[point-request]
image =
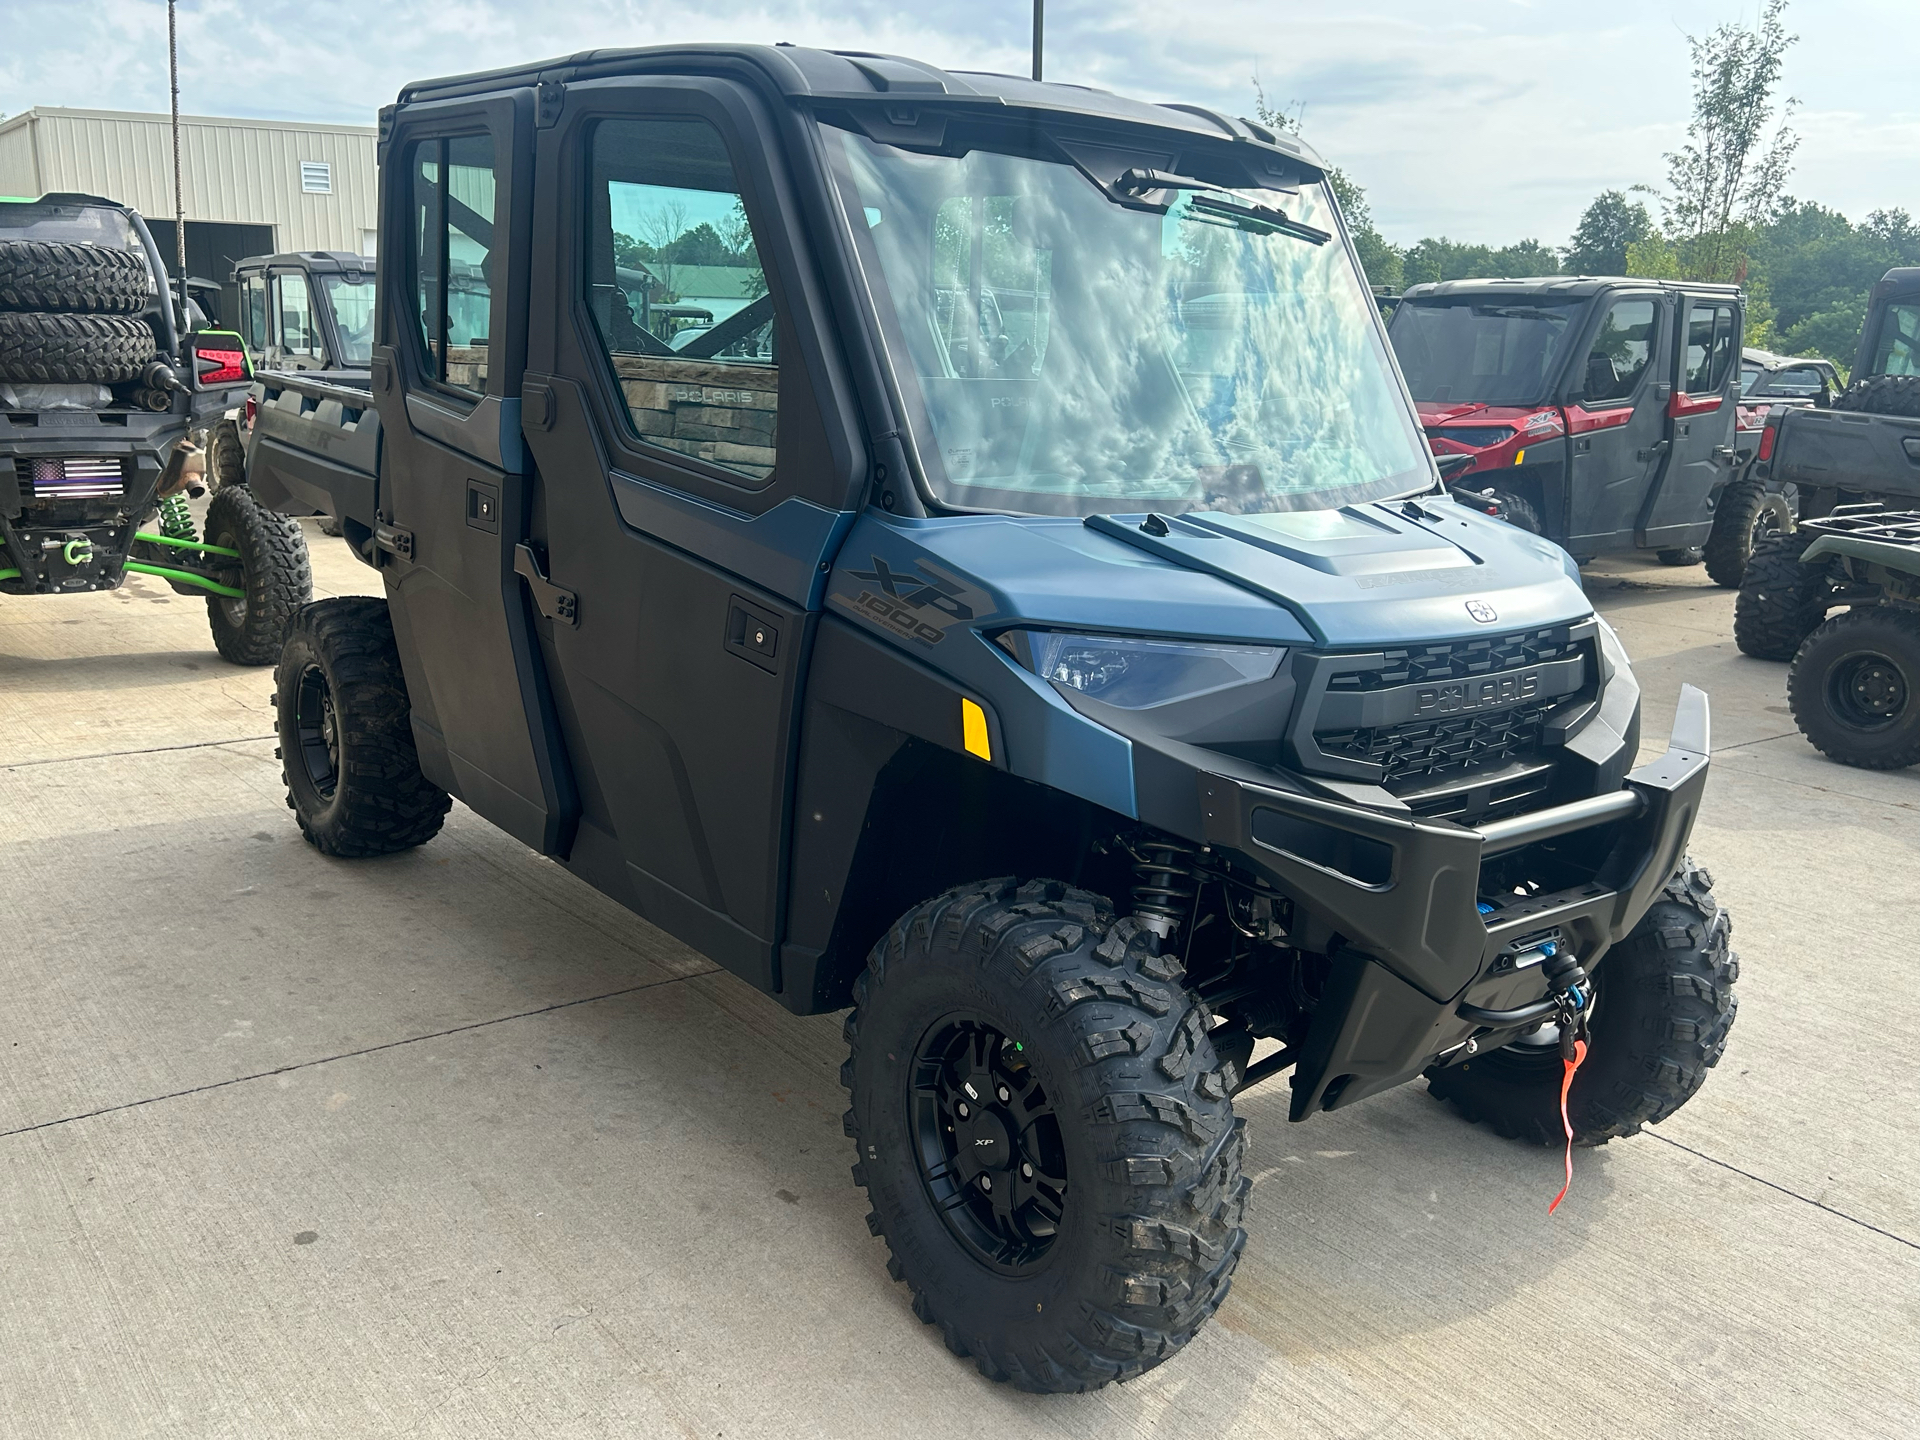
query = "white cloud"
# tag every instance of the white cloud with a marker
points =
(1483, 120)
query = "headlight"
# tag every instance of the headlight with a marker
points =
(1135, 673)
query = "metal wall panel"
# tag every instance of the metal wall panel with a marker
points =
(237, 171)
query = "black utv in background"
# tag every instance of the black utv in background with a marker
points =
(1600, 413)
(1027, 616)
(108, 403)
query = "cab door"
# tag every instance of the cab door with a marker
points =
(690, 485)
(1617, 421)
(456, 189)
(1701, 415)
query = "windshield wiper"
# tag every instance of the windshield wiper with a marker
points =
(1254, 219)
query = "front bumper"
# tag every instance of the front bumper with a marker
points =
(1420, 970)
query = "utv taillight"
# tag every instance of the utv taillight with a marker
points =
(222, 367)
(252, 410)
(1766, 442)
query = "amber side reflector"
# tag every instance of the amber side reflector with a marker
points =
(973, 730)
(1518, 456)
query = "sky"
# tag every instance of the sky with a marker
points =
(1485, 121)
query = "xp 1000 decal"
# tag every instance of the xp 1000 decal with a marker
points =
(916, 604)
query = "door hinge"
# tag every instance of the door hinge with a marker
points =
(552, 96)
(393, 540)
(1653, 452)
(537, 405)
(554, 602)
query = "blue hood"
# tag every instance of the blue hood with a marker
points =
(1382, 574)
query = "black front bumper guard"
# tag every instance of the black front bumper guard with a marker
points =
(1406, 892)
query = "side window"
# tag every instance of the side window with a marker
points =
(1709, 347)
(1621, 351)
(679, 296)
(293, 310)
(453, 214)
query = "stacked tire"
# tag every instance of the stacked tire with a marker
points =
(69, 313)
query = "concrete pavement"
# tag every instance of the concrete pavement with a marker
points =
(447, 1144)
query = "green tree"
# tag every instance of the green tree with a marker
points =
(1727, 179)
(1380, 261)
(1611, 224)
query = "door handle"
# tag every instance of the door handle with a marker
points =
(554, 602)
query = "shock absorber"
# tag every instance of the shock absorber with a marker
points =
(1164, 884)
(176, 520)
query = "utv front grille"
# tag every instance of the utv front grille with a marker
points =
(1431, 721)
(1460, 659)
(74, 477)
(1440, 749)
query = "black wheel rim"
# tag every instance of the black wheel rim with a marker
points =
(317, 730)
(988, 1143)
(233, 607)
(1867, 692)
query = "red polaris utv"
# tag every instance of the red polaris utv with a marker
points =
(1600, 413)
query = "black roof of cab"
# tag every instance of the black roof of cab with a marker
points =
(1574, 286)
(320, 262)
(828, 77)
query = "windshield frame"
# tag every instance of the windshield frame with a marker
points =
(1042, 142)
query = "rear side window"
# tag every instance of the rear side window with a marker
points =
(452, 180)
(1620, 353)
(679, 295)
(1709, 347)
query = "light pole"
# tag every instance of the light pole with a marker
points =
(179, 195)
(1039, 32)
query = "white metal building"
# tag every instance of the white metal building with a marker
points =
(252, 187)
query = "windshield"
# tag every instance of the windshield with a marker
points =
(352, 301)
(1496, 350)
(1060, 353)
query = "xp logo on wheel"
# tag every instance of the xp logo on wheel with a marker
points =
(1483, 612)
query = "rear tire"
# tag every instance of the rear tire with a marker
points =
(1122, 1240)
(1854, 688)
(66, 349)
(75, 279)
(1781, 601)
(346, 735)
(1746, 513)
(274, 572)
(1662, 1008)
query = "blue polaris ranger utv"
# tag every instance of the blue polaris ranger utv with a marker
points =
(1026, 614)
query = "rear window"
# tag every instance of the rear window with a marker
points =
(1897, 349)
(73, 224)
(1494, 350)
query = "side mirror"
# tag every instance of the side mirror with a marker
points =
(216, 358)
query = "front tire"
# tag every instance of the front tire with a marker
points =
(346, 735)
(1024, 1038)
(1663, 1004)
(1854, 688)
(275, 575)
(1746, 513)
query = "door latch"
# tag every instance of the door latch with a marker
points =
(554, 602)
